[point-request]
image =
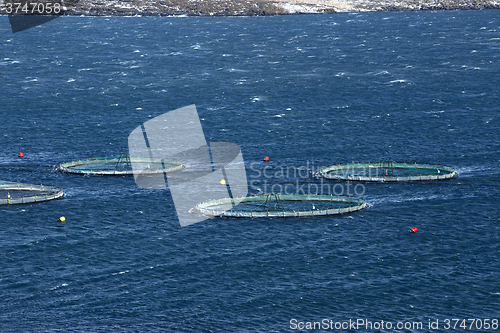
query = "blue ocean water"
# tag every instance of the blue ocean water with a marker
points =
(305, 90)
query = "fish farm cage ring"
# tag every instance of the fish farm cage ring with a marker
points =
(280, 205)
(119, 165)
(18, 193)
(387, 171)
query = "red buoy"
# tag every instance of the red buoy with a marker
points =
(413, 230)
(20, 154)
(266, 159)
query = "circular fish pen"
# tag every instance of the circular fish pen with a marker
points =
(387, 171)
(119, 165)
(18, 193)
(281, 205)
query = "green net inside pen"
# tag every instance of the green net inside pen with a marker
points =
(387, 171)
(12, 193)
(119, 165)
(280, 205)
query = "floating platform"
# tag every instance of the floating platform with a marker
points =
(387, 171)
(18, 193)
(119, 165)
(280, 205)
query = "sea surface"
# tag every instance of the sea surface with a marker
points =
(305, 90)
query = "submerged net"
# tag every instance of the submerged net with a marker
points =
(281, 205)
(387, 171)
(119, 165)
(18, 193)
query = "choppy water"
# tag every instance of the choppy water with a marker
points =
(304, 90)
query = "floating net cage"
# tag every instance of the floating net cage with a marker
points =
(387, 171)
(280, 205)
(119, 165)
(18, 193)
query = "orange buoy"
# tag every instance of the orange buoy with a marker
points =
(266, 159)
(413, 230)
(20, 155)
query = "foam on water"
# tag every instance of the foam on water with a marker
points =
(300, 89)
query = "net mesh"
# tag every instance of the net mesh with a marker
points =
(281, 205)
(386, 171)
(119, 165)
(18, 193)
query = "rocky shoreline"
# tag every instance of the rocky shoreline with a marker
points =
(258, 7)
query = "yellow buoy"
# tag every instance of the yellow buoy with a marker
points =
(62, 219)
(223, 182)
